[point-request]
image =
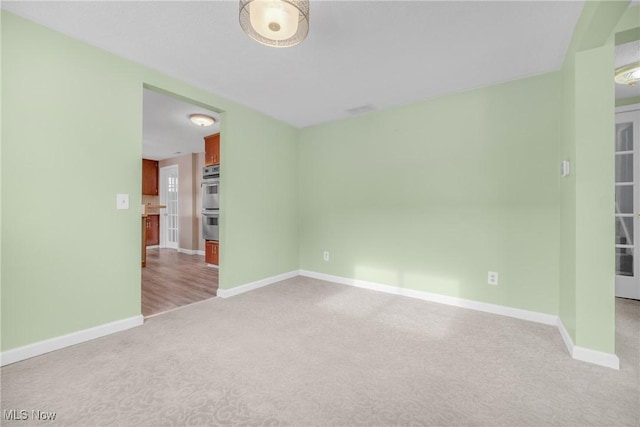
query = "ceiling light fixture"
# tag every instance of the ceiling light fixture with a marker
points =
(277, 23)
(628, 74)
(202, 120)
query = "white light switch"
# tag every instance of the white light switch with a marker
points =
(122, 201)
(565, 168)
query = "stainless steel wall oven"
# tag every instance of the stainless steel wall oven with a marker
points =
(210, 202)
(210, 229)
(210, 194)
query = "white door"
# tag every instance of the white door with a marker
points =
(169, 216)
(627, 172)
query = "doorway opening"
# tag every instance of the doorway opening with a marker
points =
(169, 197)
(175, 272)
(627, 178)
(627, 201)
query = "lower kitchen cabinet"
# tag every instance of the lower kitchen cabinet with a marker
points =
(211, 252)
(153, 230)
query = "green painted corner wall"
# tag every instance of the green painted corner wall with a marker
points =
(259, 193)
(594, 221)
(587, 304)
(434, 195)
(70, 260)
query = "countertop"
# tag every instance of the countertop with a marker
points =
(152, 209)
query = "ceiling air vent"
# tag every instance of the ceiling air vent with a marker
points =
(361, 109)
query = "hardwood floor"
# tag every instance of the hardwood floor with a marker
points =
(172, 279)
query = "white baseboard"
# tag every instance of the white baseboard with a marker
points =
(568, 342)
(226, 293)
(213, 266)
(46, 346)
(579, 353)
(190, 251)
(584, 354)
(547, 319)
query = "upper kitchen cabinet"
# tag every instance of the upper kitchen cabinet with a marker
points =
(149, 177)
(212, 150)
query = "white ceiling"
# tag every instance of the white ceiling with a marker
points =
(358, 53)
(166, 129)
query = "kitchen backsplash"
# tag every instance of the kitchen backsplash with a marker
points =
(151, 200)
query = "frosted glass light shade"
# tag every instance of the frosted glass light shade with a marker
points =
(279, 23)
(201, 120)
(629, 74)
(275, 20)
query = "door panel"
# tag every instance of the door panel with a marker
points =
(169, 232)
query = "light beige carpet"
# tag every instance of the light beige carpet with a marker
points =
(307, 352)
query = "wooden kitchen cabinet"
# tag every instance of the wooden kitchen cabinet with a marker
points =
(212, 150)
(211, 252)
(153, 230)
(149, 177)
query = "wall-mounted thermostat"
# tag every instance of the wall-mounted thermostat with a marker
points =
(565, 168)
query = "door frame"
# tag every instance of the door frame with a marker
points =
(163, 201)
(629, 286)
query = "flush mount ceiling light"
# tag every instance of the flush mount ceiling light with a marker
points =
(278, 23)
(202, 120)
(629, 74)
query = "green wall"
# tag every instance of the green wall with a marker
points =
(594, 169)
(71, 140)
(259, 184)
(567, 290)
(434, 195)
(587, 304)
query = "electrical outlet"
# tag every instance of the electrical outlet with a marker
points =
(325, 256)
(492, 279)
